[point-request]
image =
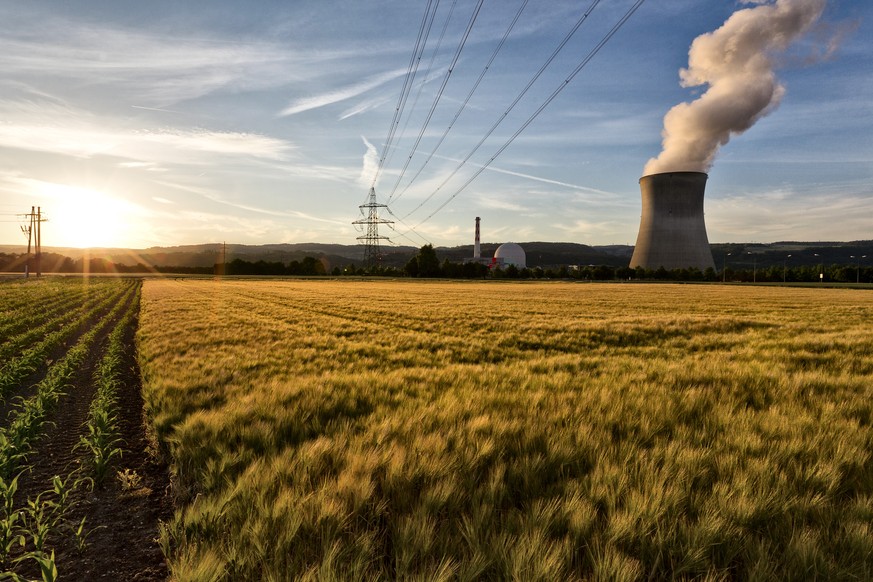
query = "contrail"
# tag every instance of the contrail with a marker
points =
(156, 109)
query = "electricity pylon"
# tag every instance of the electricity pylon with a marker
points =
(370, 240)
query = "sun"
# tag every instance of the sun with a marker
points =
(85, 218)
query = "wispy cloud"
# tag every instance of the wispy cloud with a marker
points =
(212, 195)
(498, 170)
(154, 70)
(156, 109)
(341, 94)
(52, 128)
(500, 203)
(781, 213)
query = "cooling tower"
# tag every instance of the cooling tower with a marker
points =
(672, 233)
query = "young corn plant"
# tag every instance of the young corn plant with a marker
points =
(39, 520)
(81, 535)
(101, 439)
(42, 518)
(10, 528)
(47, 567)
(101, 445)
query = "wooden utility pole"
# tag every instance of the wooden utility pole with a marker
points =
(28, 232)
(38, 240)
(34, 232)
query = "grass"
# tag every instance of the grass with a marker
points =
(443, 430)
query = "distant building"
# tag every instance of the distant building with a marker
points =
(510, 254)
(505, 255)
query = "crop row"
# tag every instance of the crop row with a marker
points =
(30, 298)
(21, 295)
(18, 368)
(29, 526)
(28, 416)
(40, 318)
(38, 313)
(102, 440)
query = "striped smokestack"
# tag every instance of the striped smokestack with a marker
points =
(476, 252)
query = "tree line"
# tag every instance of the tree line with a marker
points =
(426, 264)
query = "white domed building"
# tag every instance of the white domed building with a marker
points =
(510, 254)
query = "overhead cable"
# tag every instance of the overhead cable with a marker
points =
(430, 67)
(465, 102)
(439, 93)
(412, 69)
(409, 229)
(512, 105)
(539, 110)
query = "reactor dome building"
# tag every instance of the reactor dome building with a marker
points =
(505, 255)
(510, 254)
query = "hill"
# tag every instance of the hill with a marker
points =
(539, 254)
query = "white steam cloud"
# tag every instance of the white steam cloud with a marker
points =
(369, 164)
(736, 63)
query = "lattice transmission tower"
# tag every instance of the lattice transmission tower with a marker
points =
(370, 240)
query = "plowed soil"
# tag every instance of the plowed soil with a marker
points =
(122, 516)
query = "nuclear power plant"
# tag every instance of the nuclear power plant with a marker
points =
(506, 254)
(672, 232)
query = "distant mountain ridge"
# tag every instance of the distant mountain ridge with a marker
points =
(539, 254)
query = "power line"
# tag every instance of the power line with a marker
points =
(439, 94)
(412, 69)
(410, 229)
(512, 105)
(430, 67)
(464, 103)
(539, 110)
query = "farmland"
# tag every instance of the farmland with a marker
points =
(71, 410)
(543, 431)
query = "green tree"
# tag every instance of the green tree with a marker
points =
(428, 263)
(411, 267)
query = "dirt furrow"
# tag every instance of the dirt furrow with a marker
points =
(122, 516)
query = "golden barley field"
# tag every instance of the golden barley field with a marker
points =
(371, 430)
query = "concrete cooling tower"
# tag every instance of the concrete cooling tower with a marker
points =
(672, 233)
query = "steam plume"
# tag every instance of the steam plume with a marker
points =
(370, 163)
(735, 61)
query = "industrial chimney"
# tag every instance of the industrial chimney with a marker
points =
(476, 252)
(672, 232)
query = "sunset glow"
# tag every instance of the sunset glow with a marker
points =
(83, 218)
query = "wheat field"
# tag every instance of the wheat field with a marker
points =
(369, 430)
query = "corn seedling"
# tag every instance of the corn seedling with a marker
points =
(81, 535)
(47, 567)
(10, 534)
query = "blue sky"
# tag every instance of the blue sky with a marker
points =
(163, 123)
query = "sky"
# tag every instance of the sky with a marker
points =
(170, 123)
